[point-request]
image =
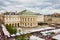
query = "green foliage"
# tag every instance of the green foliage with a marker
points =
(11, 29)
(28, 35)
(23, 37)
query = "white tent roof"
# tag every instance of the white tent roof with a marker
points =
(13, 35)
(34, 30)
(57, 37)
(56, 31)
(42, 29)
(35, 38)
(17, 33)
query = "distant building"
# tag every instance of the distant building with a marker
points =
(53, 18)
(48, 19)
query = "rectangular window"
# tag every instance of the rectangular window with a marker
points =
(49, 19)
(25, 24)
(31, 24)
(28, 24)
(25, 19)
(28, 19)
(31, 19)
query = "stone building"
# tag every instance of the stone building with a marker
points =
(56, 18)
(1, 19)
(23, 19)
(12, 20)
(53, 18)
(48, 19)
(28, 21)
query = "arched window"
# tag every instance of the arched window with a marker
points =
(12, 24)
(6, 24)
(18, 24)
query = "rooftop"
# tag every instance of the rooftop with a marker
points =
(27, 12)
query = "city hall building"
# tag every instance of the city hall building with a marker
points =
(22, 19)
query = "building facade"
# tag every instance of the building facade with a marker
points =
(47, 19)
(28, 21)
(40, 18)
(13, 20)
(23, 19)
(53, 18)
(1, 19)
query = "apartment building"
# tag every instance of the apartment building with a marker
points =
(53, 18)
(48, 19)
(56, 18)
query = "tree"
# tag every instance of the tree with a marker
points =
(28, 35)
(21, 37)
(11, 29)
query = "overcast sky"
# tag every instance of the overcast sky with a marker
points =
(40, 6)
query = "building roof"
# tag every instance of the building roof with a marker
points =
(55, 15)
(27, 12)
(24, 12)
(9, 13)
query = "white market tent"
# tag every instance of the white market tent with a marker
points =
(13, 35)
(34, 30)
(56, 31)
(57, 37)
(35, 38)
(18, 34)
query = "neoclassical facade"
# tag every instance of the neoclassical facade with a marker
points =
(22, 19)
(12, 20)
(28, 21)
